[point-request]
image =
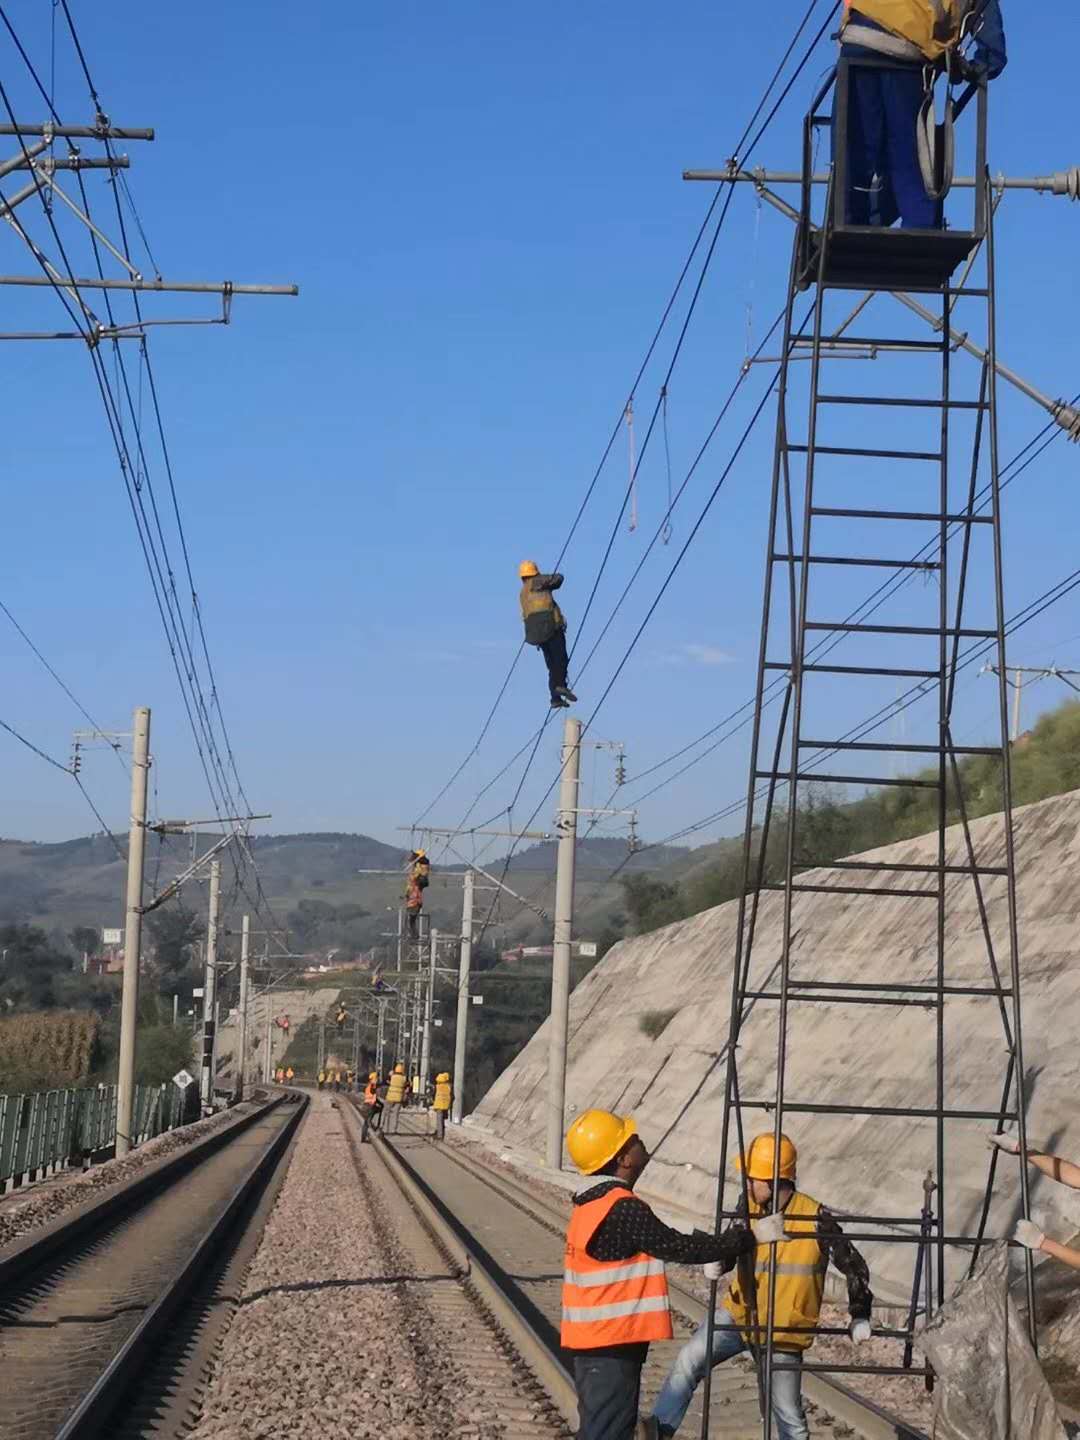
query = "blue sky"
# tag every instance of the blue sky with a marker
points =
(483, 207)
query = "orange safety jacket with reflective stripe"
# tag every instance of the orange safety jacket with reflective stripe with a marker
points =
(369, 1093)
(617, 1302)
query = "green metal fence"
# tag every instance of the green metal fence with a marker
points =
(54, 1128)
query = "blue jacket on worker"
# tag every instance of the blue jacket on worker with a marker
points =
(885, 180)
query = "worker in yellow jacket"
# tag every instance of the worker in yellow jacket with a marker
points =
(545, 627)
(441, 1103)
(905, 40)
(806, 1238)
(397, 1090)
(322, 1078)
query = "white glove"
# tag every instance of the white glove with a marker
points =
(712, 1270)
(860, 1332)
(1009, 1143)
(1028, 1234)
(769, 1230)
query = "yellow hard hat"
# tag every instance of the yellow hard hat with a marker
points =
(596, 1137)
(761, 1155)
(527, 568)
(444, 1076)
(373, 1075)
(399, 1069)
(421, 854)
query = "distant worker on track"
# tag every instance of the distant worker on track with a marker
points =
(373, 1106)
(322, 1078)
(545, 627)
(885, 174)
(615, 1293)
(1027, 1233)
(807, 1238)
(441, 1103)
(396, 1093)
(290, 1074)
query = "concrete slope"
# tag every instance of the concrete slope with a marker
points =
(839, 1054)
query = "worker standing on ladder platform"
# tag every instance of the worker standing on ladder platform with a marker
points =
(808, 1239)
(887, 177)
(615, 1294)
(545, 627)
(419, 878)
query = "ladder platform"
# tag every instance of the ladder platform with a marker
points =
(871, 258)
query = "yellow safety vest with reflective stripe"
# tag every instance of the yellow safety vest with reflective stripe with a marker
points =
(800, 1281)
(442, 1095)
(395, 1089)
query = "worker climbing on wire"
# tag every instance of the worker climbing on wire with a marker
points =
(615, 1293)
(441, 1103)
(545, 627)
(1065, 1172)
(418, 877)
(807, 1238)
(895, 157)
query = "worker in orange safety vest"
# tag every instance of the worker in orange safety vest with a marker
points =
(615, 1292)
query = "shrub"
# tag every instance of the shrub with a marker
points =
(654, 1022)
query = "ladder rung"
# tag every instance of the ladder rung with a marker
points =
(865, 670)
(852, 890)
(919, 1003)
(841, 514)
(857, 560)
(903, 403)
(898, 867)
(853, 450)
(896, 749)
(900, 630)
(894, 987)
(900, 781)
(911, 1112)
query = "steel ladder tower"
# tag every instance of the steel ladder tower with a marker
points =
(896, 484)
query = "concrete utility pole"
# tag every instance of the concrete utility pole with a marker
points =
(380, 1038)
(429, 1006)
(210, 989)
(564, 924)
(1040, 672)
(245, 941)
(175, 1008)
(464, 968)
(268, 1058)
(129, 1004)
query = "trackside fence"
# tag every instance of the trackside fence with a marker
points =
(53, 1129)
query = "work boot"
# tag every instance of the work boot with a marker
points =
(565, 692)
(558, 703)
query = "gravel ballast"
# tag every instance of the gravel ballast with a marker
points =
(332, 1335)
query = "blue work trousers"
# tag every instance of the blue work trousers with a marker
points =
(689, 1370)
(608, 1386)
(884, 180)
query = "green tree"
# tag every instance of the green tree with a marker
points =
(174, 932)
(85, 939)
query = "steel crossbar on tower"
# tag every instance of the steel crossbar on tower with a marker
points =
(839, 477)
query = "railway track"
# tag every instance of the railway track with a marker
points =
(517, 1236)
(104, 1311)
(525, 1391)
